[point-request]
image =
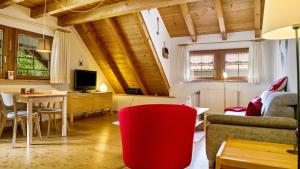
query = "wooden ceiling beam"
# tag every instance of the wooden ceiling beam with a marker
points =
(103, 59)
(124, 46)
(7, 3)
(55, 8)
(220, 14)
(257, 17)
(151, 48)
(188, 21)
(117, 9)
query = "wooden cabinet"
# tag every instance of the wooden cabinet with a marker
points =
(88, 102)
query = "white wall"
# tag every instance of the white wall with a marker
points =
(181, 90)
(19, 17)
(121, 101)
(289, 68)
(159, 40)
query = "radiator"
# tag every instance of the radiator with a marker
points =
(214, 99)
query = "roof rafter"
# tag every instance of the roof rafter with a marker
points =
(105, 62)
(188, 21)
(54, 8)
(116, 9)
(7, 3)
(150, 46)
(220, 14)
(257, 17)
(123, 45)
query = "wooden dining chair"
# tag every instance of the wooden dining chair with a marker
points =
(51, 111)
(9, 100)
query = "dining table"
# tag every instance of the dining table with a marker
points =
(30, 99)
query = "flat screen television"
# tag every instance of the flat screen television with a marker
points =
(85, 80)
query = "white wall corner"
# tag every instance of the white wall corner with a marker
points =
(160, 38)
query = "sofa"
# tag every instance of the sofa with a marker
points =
(277, 124)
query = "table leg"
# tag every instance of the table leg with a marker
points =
(29, 122)
(71, 119)
(205, 121)
(64, 118)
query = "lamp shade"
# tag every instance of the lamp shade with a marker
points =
(279, 18)
(43, 45)
(103, 88)
(225, 76)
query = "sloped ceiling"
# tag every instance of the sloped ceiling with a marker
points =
(118, 39)
(138, 66)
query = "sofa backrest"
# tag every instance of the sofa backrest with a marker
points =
(279, 104)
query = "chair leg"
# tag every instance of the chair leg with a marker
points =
(2, 125)
(34, 128)
(49, 124)
(41, 120)
(68, 127)
(54, 118)
(23, 127)
(38, 127)
(14, 133)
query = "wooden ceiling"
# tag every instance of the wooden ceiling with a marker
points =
(124, 53)
(116, 35)
(213, 17)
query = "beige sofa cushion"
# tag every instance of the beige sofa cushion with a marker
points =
(265, 121)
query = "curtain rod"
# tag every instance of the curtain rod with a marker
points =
(203, 43)
(55, 28)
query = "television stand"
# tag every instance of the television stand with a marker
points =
(88, 102)
(84, 91)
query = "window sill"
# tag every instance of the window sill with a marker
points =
(24, 81)
(211, 80)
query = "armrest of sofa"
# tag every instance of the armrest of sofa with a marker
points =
(254, 121)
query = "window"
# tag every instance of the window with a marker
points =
(18, 53)
(202, 65)
(211, 64)
(30, 63)
(236, 64)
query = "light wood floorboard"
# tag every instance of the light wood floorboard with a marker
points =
(93, 143)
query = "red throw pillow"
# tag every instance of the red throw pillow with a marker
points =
(235, 109)
(280, 84)
(254, 107)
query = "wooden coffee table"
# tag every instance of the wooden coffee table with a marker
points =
(254, 155)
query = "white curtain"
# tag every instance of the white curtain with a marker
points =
(260, 63)
(60, 55)
(255, 55)
(184, 71)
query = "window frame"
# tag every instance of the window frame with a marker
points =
(204, 52)
(219, 64)
(3, 52)
(16, 47)
(236, 50)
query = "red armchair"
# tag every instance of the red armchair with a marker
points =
(157, 136)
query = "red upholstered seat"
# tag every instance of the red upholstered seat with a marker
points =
(157, 136)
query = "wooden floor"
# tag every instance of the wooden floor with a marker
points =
(93, 143)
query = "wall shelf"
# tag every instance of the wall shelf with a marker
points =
(24, 81)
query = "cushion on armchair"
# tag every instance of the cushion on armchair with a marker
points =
(280, 104)
(254, 107)
(280, 84)
(254, 121)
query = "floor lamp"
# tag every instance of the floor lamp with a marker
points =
(225, 76)
(282, 21)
